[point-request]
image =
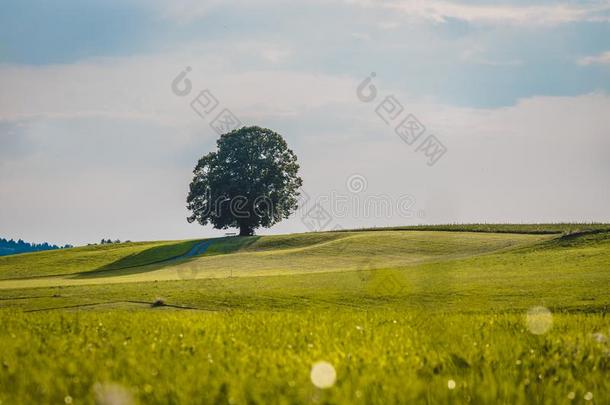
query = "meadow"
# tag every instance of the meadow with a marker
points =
(430, 316)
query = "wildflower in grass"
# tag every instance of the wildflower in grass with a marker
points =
(323, 375)
(539, 320)
(451, 384)
(112, 394)
(571, 395)
(588, 396)
(599, 337)
(68, 399)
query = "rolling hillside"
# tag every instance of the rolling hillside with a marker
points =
(463, 270)
(403, 316)
(250, 256)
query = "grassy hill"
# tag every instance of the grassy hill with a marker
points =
(549, 228)
(89, 258)
(249, 256)
(402, 315)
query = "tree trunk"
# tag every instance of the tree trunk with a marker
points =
(245, 230)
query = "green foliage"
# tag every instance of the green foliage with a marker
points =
(251, 181)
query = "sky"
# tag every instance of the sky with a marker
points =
(508, 104)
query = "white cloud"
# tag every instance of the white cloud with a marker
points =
(549, 14)
(601, 59)
(477, 55)
(139, 87)
(388, 25)
(186, 11)
(361, 36)
(276, 55)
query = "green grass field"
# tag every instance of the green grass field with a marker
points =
(453, 314)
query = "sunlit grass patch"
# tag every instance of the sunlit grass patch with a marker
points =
(382, 356)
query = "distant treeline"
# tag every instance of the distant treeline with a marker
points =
(109, 241)
(11, 247)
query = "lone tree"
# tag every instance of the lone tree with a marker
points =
(250, 181)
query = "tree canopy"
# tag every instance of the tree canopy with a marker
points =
(251, 181)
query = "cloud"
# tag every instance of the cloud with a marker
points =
(186, 11)
(103, 148)
(601, 59)
(138, 87)
(547, 14)
(276, 55)
(361, 36)
(477, 55)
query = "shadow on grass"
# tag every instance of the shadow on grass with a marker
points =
(230, 244)
(578, 239)
(146, 260)
(160, 256)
